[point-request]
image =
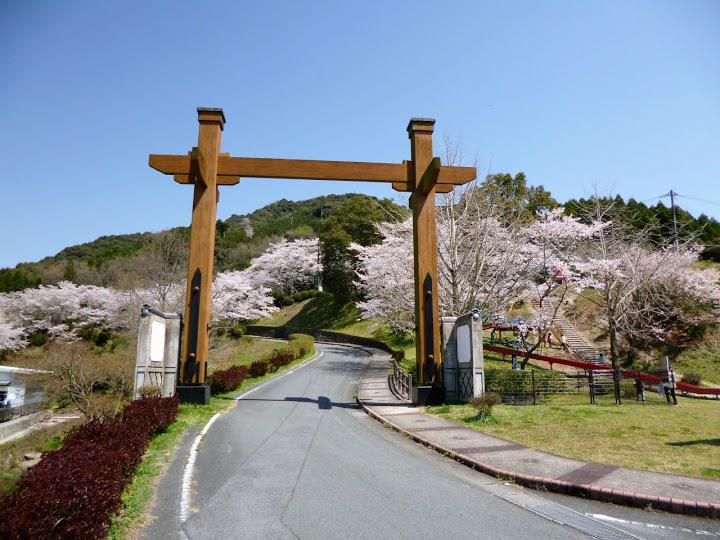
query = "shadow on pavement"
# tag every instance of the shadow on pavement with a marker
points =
(322, 402)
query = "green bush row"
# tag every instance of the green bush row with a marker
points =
(283, 300)
(520, 382)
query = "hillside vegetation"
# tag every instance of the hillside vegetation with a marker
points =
(110, 260)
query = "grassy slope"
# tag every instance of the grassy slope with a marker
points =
(655, 436)
(326, 314)
(225, 352)
(703, 359)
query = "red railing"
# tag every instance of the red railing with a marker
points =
(589, 366)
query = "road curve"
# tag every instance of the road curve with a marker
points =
(298, 459)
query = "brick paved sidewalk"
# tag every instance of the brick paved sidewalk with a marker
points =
(533, 468)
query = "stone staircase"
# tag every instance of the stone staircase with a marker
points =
(578, 345)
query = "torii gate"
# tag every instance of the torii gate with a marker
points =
(207, 168)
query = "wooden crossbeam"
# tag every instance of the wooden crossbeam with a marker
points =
(221, 180)
(230, 168)
(408, 187)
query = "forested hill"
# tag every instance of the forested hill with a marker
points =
(112, 260)
(706, 230)
(239, 238)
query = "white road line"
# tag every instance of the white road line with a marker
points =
(700, 532)
(186, 492)
(288, 372)
(186, 489)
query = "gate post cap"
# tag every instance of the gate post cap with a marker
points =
(211, 115)
(420, 125)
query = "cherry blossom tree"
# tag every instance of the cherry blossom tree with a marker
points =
(385, 278)
(480, 262)
(237, 298)
(11, 338)
(162, 265)
(287, 266)
(650, 296)
(554, 269)
(61, 311)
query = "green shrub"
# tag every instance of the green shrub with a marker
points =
(38, 339)
(301, 344)
(520, 382)
(237, 331)
(483, 405)
(692, 377)
(284, 300)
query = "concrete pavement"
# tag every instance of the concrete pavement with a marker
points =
(299, 459)
(533, 468)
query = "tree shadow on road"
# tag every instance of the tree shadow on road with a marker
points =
(323, 402)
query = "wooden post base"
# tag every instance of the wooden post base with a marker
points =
(428, 395)
(199, 394)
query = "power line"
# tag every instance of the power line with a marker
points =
(697, 199)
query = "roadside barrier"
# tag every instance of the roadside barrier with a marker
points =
(590, 366)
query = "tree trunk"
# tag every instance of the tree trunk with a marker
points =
(614, 353)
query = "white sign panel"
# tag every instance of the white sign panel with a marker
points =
(157, 341)
(463, 344)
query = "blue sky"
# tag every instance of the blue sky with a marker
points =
(624, 96)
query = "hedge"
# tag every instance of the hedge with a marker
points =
(74, 491)
(227, 380)
(520, 382)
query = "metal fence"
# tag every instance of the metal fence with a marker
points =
(10, 413)
(400, 382)
(533, 387)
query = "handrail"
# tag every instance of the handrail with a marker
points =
(400, 381)
(589, 366)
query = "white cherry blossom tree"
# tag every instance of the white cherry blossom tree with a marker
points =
(61, 310)
(236, 298)
(385, 277)
(287, 266)
(11, 338)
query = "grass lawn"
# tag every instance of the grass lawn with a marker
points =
(703, 359)
(138, 495)
(322, 312)
(655, 436)
(225, 351)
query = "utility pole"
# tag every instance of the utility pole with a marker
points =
(672, 204)
(319, 260)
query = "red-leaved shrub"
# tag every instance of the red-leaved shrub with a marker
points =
(226, 380)
(258, 368)
(74, 491)
(280, 359)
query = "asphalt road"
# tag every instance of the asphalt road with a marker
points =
(297, 459)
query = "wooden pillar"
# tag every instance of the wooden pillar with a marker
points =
(427, 314)
(202, 249)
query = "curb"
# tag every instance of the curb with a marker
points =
(588, 491)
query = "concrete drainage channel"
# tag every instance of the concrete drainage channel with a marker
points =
(557, 512)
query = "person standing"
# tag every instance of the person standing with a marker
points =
(563, 343)
(549, 340)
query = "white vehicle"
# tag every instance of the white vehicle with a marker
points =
(12, 394)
